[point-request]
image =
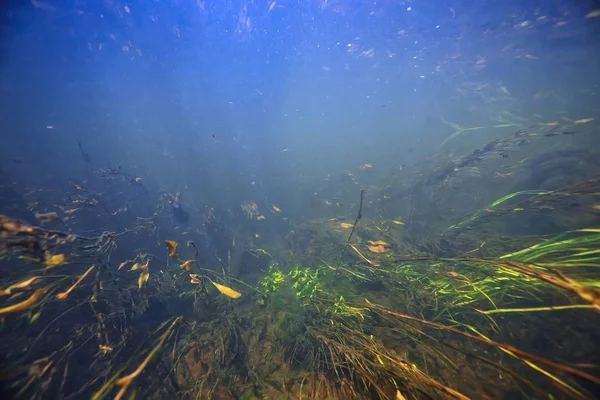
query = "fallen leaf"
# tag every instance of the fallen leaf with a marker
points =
(143, 278)
(124, 263)
(227, 291)
(379, 248)
(55, 260)
(187, 265)
(379, 242)
(346, 225)
(172, 246)
(47, 217)
(105, 349)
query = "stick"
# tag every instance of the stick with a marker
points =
(358, 217)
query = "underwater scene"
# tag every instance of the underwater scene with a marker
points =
(299, 199)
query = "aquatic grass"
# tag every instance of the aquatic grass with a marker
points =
(419, 332)
(564, 248)
(540, 201)
(528, 358)
(492, 206)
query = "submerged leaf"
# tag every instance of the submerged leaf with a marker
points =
(379, 242)
(380, 248)
(187, 265)
(55, 260)
(34, 317)
(227, 291)
(143, 278)
(346, 225)
(124, 263)
(172, 246)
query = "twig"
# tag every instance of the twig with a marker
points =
(358, 217)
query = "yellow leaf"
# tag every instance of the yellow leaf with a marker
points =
(398, 222)
(35, 317)
(105, 349)
(135, 267)
(584, 121)
(379, 248)
(143, 278)
(346, 225)
(276, 209)
(260, 217)
(379, 242)
(227, 291)
(55, 260)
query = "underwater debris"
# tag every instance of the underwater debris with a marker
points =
(227, 291)
(187, 265)
(172, 247)
(47, 217)
(55, 260)
(195, 279)
(378, 246)
(143, 278)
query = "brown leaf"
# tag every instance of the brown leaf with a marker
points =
(379, 248)
(187, 265)
(172, 246)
